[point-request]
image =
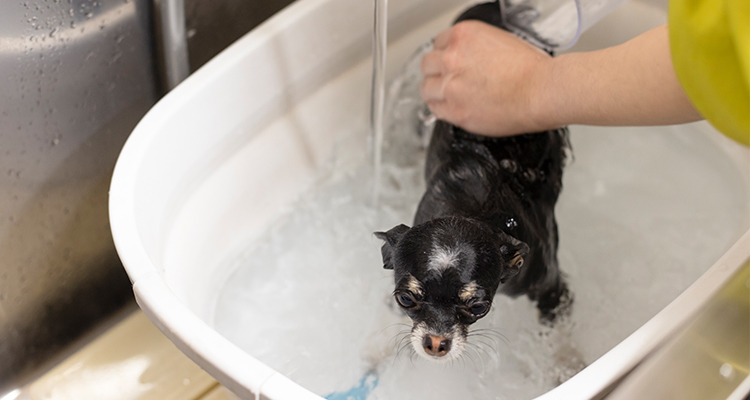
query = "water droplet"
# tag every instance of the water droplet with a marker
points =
(89, 15)
(191, 33)
(54, 31)
(509, 165)
(511, 223)
(55, 141)
(727, 371)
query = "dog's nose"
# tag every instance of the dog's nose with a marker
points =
(436, 346)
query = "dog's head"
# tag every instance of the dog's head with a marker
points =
(447, 271)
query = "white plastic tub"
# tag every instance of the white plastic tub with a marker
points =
(218, 159)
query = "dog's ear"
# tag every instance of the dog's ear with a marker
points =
(391, 238)
(513, 252)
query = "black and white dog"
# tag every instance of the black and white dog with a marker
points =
(485, 224)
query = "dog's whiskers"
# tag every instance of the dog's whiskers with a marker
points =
(479, 355)
(403, 333)
(478, 338)
(481, 342)
(475, 347)
(488, 333)
(402, 344)
(468, 355)
(463, 361)
(411, 358)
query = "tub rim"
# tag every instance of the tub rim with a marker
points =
(248, 377)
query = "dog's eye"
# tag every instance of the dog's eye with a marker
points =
(479, 309)
(405, 300)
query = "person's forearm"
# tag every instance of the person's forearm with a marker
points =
(630, 84)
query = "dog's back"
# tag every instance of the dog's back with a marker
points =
(512, 185)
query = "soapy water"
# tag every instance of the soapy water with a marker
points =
(643, 213)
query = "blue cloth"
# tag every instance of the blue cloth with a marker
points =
(360, 392)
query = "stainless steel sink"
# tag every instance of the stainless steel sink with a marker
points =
(76, 77)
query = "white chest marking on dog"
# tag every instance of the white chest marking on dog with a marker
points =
(443, 258)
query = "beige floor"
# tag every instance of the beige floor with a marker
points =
(132, 360)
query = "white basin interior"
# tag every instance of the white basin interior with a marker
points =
(229, 154)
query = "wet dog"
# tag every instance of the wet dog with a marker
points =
(485, 224)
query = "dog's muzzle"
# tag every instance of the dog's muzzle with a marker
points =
(436, 346)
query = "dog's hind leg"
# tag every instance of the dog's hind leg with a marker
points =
(555, 302)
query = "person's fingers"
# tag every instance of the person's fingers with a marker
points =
(432, 88)
(442, 39)
(432, 63)
(438, 109)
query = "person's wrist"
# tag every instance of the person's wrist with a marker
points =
(540, 96)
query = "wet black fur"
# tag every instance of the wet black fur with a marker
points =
(494, 198)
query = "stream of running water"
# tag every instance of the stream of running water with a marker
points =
(379, 47)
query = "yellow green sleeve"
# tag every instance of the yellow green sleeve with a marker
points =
(710, 44)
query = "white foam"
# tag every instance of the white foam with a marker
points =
(643, 213)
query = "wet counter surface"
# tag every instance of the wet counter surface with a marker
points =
(131, 360)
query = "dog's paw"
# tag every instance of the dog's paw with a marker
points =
(555, 306)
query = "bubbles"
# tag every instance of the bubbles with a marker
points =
(643, 213)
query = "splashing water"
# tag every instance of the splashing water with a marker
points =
(643, 213)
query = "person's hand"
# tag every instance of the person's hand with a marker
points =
(481, 78)
(490, 82)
